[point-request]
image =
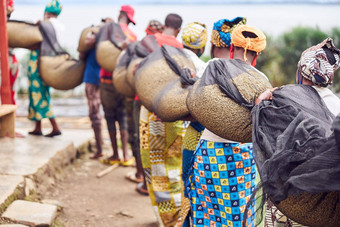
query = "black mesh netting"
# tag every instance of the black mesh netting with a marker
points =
(112, 32)
(222, 72)
(183, 73)
(49, 46)
(295, 147)
(130, 52)
(146, 46)
(168, 53)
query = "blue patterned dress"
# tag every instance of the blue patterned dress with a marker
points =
(221, 184)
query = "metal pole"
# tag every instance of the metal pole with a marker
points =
(5, 85)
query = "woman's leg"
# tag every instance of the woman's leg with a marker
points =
(55, 129)
(37, 129)
(113, 138)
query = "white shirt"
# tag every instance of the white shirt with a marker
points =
(198, 63)
(331, 100)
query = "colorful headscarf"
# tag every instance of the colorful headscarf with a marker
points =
(220, 36)
(154, 27)
(195, 35)
(257, 44)
(319, 63)
(53, 7)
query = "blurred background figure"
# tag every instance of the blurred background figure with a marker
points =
(113, 102)
(39, 92)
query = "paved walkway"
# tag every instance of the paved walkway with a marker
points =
(31, 157)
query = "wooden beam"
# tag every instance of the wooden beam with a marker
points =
(5, 85)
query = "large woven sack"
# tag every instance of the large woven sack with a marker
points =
(23, 35)
(159, 88)
(61, 72)
(108, 46)
(82, 47)
(107, 55)
(317, 210)
(131, 68)
(217, 110)
(119, 78)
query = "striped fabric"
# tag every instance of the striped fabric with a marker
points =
(161, 154)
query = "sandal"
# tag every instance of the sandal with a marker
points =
(129, 162)
(53, 134)
(141, 190)
(109, 161)
(34, 133)
(96, 156)
(131, 176)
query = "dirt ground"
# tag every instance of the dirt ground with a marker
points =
(108, 201)
(90, 201)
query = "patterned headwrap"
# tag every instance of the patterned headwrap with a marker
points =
(256, 44)
(220, 36)
(53, 7)
(319, 63)
(154, 27)
(195, 35)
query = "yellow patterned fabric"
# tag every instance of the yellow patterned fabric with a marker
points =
(195, 35)
(161, 144)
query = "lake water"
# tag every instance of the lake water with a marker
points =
(273, 19)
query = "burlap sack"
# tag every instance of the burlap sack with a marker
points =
(23, 35)
(119, 78)
(82, 47)
(56, 66)
(132, 66)
(107, 55)
(61, 72)
(108, 43)
(317, 210)
(159, 88)
(216, 110)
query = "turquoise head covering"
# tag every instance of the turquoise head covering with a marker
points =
(221, 34)
(53, 7)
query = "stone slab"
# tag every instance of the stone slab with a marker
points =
(24, 156)
(31, 213)
(7, 186)
(13, 225)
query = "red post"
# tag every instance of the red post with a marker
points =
(5, 85)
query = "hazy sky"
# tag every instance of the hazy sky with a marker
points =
(172, 1)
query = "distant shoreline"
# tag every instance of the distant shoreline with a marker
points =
(197, 3)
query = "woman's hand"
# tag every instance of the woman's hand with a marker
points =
(90, 39)
(267, 95)
(125, 44)
(192, 72)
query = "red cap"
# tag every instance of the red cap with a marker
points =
(129, 12)
(10, 3)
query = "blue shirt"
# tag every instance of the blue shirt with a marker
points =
(91, 73)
